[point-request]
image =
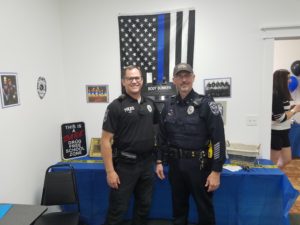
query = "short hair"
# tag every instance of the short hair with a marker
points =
(131, 67)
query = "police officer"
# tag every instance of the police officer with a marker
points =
(129, 121)
(189, 123)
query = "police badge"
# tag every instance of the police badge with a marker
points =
(190, 110)
(149, 108)
(41, 87)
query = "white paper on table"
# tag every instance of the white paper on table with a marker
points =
(232, 168)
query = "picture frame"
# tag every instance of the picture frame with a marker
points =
(222, 106)
(218, 87)
(95, 147)
(97, 93)
(9, 89)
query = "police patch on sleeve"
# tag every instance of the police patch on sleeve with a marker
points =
(214, 108)
(105, 115)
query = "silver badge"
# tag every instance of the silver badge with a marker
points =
(214, 108)
(190, 110)
(149, 108)
(41, 87)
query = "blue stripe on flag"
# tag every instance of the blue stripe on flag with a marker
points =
(160, 48)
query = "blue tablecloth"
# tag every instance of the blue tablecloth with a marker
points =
(295, 139)
(261, 196)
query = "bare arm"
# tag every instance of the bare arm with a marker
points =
(106, 151)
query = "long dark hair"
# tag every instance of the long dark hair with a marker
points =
(280, 84)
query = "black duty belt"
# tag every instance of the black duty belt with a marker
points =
(130, 156)
(179, 153)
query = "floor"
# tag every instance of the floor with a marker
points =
(292, 170)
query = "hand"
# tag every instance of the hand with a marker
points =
(160, 171)
(113, 179)
(213, 181)
(297, 108)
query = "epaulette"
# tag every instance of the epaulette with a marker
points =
(121, 97)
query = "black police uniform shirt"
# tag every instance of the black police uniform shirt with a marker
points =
(191, 124)
(132, 123)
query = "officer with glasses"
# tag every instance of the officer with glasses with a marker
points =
(189, 124)
(129, 124)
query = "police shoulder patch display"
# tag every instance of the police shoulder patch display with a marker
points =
(41, 87)
(214, 108)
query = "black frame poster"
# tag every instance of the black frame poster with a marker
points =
(73, 140)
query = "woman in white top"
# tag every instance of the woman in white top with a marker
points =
(282, 112)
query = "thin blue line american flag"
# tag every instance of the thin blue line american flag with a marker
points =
(157, 42)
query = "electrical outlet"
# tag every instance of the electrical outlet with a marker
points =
(251, 120)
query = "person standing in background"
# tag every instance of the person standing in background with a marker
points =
(282, 112)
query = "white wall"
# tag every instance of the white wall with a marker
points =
(30, 44)
(228, 43)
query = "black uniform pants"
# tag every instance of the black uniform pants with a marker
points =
(187, 179)
(136, 179)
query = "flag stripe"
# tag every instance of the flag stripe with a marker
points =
(172, 43)
(184, 38)
(160, 48)
(178, 37)
(191, 36)
(167, 47)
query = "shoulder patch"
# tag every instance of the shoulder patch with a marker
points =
(214, 108)
(105, 115)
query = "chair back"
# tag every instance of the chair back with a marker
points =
(60, 186)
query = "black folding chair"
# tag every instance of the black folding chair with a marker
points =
(60, 189)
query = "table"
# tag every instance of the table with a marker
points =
(261, 196)
(20, 214)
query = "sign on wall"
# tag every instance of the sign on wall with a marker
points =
(73, 140)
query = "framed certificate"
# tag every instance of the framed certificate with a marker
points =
(97, 93)
(95, 148)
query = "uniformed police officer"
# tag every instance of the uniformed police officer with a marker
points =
(129, 121)
(189, 123)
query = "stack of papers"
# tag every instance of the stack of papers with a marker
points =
(232, 168)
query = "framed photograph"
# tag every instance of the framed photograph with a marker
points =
(9, 89)
(222, 105)
(95, 148)
(96, 93)
(219, 87)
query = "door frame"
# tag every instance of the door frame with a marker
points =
(270, 34)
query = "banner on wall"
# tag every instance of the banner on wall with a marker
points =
(73, 140)
(156, 43)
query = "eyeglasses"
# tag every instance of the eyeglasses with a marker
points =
(131, 79)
